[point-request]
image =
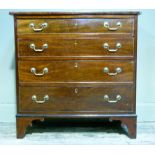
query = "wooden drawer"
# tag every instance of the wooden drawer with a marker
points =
(76, 71)
(85, 47)
(105, 25)
(118, 98)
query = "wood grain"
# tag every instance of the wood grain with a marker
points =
(66, 71)
(76, 47)
(69, 25)
(77, 99)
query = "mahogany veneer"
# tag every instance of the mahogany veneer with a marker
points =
(76, 65)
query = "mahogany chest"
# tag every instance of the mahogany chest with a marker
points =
(76, 65)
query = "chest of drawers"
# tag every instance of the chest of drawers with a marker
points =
(76, 65)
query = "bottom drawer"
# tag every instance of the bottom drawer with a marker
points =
(106, 99)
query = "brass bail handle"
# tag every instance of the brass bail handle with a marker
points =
(107, 99)
(45, 98)
(34, 71)
(107, 71)
(42, 27)
(33, 46)
(107, 26)
(112, 50)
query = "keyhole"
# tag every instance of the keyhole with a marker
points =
(75, 43)
(76, 65)
(76, 24)
(76, 90)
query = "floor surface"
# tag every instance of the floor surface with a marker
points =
(111, 134)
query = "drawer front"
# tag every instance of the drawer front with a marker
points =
(113, 25)
(100, 47)
(76, 71)
(112, 99)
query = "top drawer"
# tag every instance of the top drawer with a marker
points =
(104, 25)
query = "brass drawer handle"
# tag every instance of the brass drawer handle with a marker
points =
(106, 98)
(117, 71)
(106, 46)
(43, 26)
(118, 24)
(33, 46)
(34, 99)
(33, 70)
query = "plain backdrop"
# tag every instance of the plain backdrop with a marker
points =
(145, 66)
